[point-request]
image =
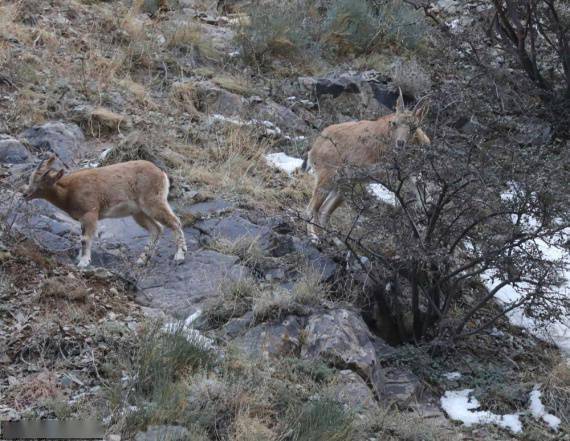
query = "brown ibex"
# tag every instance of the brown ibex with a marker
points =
(356, 144)
(135, 188)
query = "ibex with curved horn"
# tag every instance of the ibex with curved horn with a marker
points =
(357, 144)
(135, 188)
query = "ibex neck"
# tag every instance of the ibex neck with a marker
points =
(57, 195)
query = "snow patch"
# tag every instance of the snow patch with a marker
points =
(105, 153)
(452, 375)
(192, 335)
(460, 406)
(284, 162)
(539, 412)
(192, 318)
(269, 128)
(556, 332)
(382, 193)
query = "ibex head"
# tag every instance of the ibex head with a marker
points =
(405, 124)
(42, 179)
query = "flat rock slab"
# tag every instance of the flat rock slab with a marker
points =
(233, 228)
(236, 228)
(210, 208)
(180, 290)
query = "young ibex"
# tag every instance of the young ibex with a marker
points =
(356, 144)
(135, 188)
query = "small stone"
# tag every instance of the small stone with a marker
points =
(13, 151)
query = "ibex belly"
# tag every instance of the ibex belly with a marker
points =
(122, 209)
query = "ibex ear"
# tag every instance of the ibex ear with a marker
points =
(422, 111)
(49, 161)
(400, 102)
(51, 177)
(59, 175)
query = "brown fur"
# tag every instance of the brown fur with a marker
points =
(135, 188)
(356, 144)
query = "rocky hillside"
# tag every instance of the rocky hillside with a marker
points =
(261, 334)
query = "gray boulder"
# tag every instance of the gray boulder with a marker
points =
(281, 116)
(13, 151)
(181, 289)
(210, 98)
(353, 392)
(351, 95)
(400, 386)
(342, 338)
(276, 339)
(63, 139)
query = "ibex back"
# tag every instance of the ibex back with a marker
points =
(357, 144)
(135, 188)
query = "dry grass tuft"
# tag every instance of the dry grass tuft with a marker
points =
(183, 94)
(139, 92)
(34, 388)
(247, 248)
(309, 290)
(235, 298)
(103, 120)
(65, 287)
(135, 146)
(411, 77)
(188, 35)
(556, 392)
(235, 166)
(274, 304)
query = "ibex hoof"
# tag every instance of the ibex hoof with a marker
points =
(83, 263)
(142, 260)
(179, 257)
(314, 239)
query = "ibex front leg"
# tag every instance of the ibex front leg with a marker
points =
(155, 230)
(88, 229)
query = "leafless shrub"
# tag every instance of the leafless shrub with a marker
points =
(464, 212)
(411, 77)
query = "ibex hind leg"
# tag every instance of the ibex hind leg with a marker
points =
(154, 229)
(88, 229)
(320, 194)
(163, 214)
(333, 201)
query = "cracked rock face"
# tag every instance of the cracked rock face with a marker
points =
(353, 392)
(342, 338)
(273, 339)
